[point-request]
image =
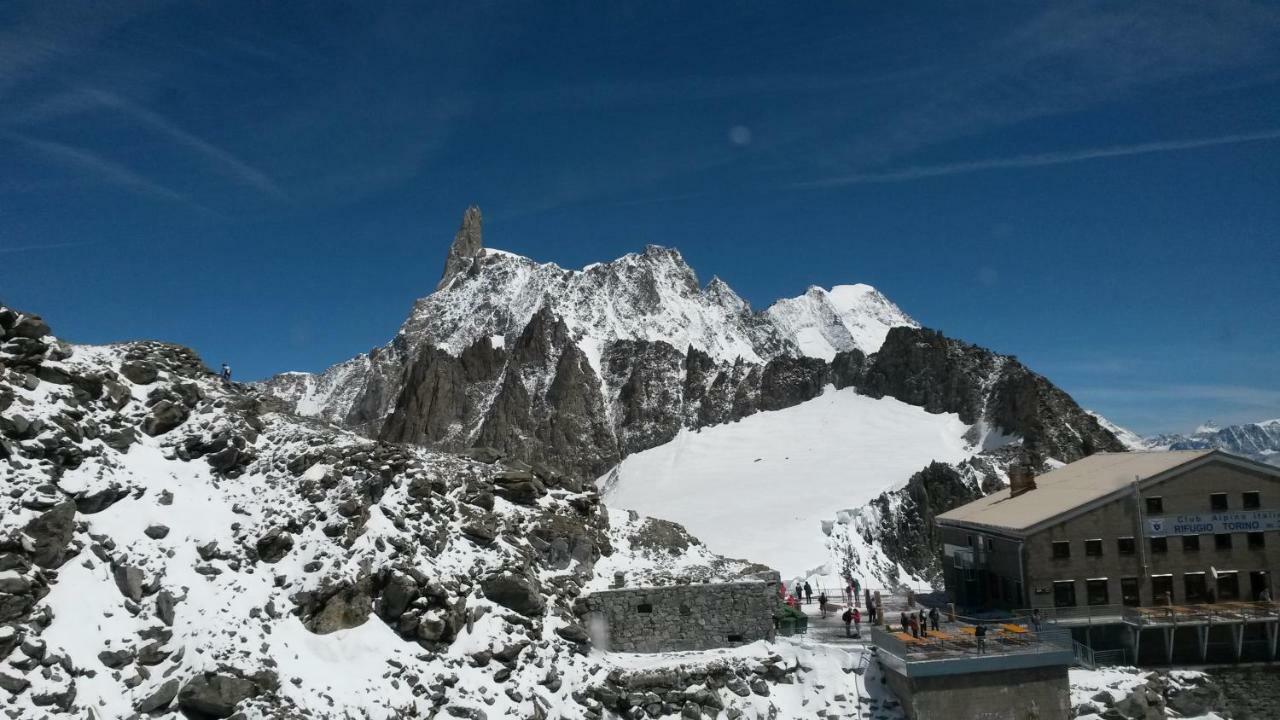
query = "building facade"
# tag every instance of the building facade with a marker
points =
(1136, 529)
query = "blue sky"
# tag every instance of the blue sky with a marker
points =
(1091, 187)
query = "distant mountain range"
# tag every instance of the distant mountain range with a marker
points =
(1259, 440)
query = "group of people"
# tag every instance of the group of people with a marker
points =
(917, 624)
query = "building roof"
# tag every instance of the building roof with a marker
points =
(1067, 488)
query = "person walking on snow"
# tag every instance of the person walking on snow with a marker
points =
(808, 593)
(226, 372)
(822, 602)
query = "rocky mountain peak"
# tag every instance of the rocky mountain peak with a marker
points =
(466, 247)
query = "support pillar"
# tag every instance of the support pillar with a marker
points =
(1168, 644)
(1273, 632)
(1202, 635)
(1237, 634)
(1137, 644)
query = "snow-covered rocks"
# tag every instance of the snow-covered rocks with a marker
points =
(247, 561)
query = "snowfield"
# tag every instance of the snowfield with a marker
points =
(762, 487)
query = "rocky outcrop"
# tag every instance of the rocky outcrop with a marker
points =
(466, 247)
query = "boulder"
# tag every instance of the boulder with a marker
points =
(516, 592)
(160, 698)
(31, 327)
(336, 608)
(165, 603)
(215, 694)
(165, 416)
(157, 531)
(273, 546)
(138, 372)
(51, 533)
(129, 580)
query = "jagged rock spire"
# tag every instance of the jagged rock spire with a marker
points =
(466, 247)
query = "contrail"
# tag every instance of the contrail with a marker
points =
(1040, 160)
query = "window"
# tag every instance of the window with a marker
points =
(735, 638)
(1064, 593)
(1195, 587)
(1159, 546)
(1217, 501)
(1257, 540)
(1093, 548)
(1190, 543)
(1222, 541)
(1129, 592)
(991, 544)
(1155, 506)
(1061, 550)
(644, 608)
(1228, 586)
(1252, 500)
(1126, 546)
(1096, 591)
(970, 541)
(1162, 589)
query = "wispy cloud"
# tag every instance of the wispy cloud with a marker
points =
(225, 161)
(919, 172)
(108, 170)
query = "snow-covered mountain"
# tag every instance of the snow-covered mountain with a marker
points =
(488, 299)
(1260, 440)
(633, 372)
(172, 547)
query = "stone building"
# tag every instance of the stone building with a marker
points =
(683, 617)
(1133, 529)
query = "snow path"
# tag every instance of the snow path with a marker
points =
(760, 488)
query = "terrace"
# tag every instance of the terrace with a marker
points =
(954, 649)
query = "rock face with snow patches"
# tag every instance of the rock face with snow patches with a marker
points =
(576, 370)
(170, 544)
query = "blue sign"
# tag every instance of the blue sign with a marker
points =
(1241, 521)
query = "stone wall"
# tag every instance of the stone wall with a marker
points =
(683, 617)
(1041, 693)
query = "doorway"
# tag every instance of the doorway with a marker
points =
(1196, 591)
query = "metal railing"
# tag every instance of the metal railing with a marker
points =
(1215, 613)
(1079, 615)
(947, 645)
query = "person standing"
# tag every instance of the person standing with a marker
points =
(906, 624)
(870, 608)
(857, 623)
(847, 617)
(933, 617)
(1265, 595)
(980, 635)
(924, 626)
(808, 593)
(1036, 619)
(799, 593)
(822, 602)
(226, 372)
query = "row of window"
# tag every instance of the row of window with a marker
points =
(1197, 588)
(1159, 545)
(1218, 502)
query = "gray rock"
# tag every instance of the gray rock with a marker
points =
(115, 658)
(139, 372)
(164, 416)
(516, 592)
(466, 248)
(129, 580)
(273, 546)
(215, 695)
(157, 531)
(50, 534)
(165, 603)
(160, 698)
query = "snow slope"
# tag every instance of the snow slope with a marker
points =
(761, 488)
